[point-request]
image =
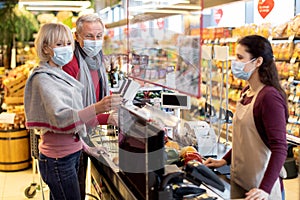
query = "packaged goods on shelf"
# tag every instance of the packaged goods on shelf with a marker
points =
(293, 27)
(14, 83)
(287, 29)
(19, 118)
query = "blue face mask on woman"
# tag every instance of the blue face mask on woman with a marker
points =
(92, 47)
(238, 67)
(62, 55)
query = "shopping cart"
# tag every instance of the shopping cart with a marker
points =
(31, 190)
(107, 137)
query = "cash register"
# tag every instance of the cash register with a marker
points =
(142, 156)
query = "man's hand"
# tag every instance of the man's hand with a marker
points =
(108, 103)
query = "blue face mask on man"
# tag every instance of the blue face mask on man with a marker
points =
(238, 67)
(92, 47)
(62, 55)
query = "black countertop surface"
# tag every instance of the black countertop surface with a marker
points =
(121, 188)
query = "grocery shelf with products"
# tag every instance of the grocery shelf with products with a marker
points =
(154, 64)
(285, 42)
(14, 84)
(14, 138)
(286, 52)
(16, 53)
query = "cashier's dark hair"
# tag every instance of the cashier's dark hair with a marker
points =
(259, 46)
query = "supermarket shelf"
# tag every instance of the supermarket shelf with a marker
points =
(293, 139)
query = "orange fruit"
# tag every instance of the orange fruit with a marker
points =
(186, 149)
(172, 144)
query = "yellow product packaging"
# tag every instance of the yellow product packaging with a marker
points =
(298, 90)
(296, 152)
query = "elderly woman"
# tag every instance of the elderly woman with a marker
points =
(54, 105)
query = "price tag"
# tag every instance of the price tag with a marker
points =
(291, 38)
(270, 38)
(7, 118)
(289, 126)
(296, 99)
(217, 41)
(171, 80)
(294, 120)
(291, 97)
(221, 52)
(148, 74)
(291, 79)
(293, 60)
(206, 52)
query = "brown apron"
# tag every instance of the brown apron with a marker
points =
(250, 156)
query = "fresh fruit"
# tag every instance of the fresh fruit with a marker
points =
(172, 144)
(186, 149)
(192, 156)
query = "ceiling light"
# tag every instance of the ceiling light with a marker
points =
(49, 8)
(184, 7)
(168, 1)
(75, 6)
(154, 4)
(165, 11)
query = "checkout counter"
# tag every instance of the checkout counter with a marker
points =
(136, 169)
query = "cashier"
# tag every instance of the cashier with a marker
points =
(259, 147)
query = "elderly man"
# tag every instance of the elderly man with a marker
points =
(87, 66)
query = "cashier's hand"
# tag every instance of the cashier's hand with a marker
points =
(256, 194)
(214, 163)
(108, 103)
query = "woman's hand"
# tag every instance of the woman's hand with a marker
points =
(113, 118)
(108, 103)
(94, 151)
(256, 194)
(214, 163)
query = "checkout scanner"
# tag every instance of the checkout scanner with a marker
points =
(142, 157)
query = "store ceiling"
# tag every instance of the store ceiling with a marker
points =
(140, 16)
(176, 9)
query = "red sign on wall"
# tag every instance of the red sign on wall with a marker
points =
(160, 23)
(265, 7)
(218, 14)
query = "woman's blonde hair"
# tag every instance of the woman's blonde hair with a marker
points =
(50, 34)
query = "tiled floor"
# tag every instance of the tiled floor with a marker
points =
(14, 184)
(292, 188)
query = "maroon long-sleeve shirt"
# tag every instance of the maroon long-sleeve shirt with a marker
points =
(270, 115)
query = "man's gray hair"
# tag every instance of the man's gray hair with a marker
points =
(94, 17)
